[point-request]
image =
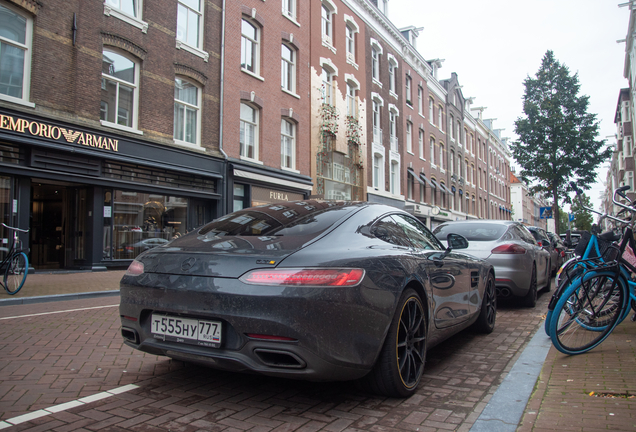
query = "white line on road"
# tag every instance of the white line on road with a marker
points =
(55, 312)
(67, 405)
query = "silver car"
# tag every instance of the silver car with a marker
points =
(521, 265)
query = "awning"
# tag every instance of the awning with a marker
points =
(435, 185)
(423, 177)
(412, 173)
(445, 189)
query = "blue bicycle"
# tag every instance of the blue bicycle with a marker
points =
(594, 296)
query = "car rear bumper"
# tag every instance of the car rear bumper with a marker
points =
(329, 333)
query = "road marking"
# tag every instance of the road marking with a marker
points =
(65, 406)
(55, 312)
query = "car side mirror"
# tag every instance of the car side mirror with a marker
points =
(456, 241)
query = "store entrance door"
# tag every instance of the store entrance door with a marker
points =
(58, 220)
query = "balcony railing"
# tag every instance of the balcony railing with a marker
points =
(377, 135)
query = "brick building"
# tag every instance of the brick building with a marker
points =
(109, 119)
(124, 123)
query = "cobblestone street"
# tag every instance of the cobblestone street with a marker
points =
(72, 353)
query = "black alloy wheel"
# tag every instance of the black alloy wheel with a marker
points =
(530, 299)
(400, 365)
(488, 314)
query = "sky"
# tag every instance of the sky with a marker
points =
(494, 45)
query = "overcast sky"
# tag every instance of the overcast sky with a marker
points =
(493, 45)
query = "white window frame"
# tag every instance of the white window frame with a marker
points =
(327, 86)
(441, 156)
(27, 48)
(291, 139)
(134, 86)
(627, 146)
(327, 11)
(183, 43)
(288, 69)
(407, 90)
(197, 109)
(351, 29)
(113, 8)
(452, 127)
(376, 52)
(378, 171)
(394, 177)
(431, 142)
(256, 47)
(421, 135)
(255, 124)
(440, 117)
(409, 137)
(393, 66)
(431, 109)
(420, 100)
(289, 9)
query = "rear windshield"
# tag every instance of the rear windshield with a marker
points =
(472, 231)
(295, 219)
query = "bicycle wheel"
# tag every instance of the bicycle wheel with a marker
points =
(16, 272)
(587, 312)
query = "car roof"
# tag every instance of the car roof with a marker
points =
(492, 221)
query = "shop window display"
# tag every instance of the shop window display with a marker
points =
(141, 221)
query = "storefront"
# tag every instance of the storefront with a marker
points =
(254, 185)
(95, 200)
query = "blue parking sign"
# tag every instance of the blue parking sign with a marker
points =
(571, 217)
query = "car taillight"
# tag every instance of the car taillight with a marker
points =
(135, 268)
(509, 249)
(305, 277)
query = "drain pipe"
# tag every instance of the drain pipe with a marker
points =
(221, 98)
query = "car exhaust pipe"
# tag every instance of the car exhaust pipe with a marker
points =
(503, 292)
(130, 335)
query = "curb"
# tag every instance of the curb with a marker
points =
(57, 297)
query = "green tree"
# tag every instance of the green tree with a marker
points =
(582, 218)
(563, 222)
(557, 137)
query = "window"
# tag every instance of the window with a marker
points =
(250, 51)
(187, 116)
(287, 144)
(189, 22)
(327, 23)
(459, 132)
(421, 143)
(432, 150)
(410, 186)
(288, 69)
(440, 115)
(351, 101)
(452, 127)
(377, 131)
(393, 130)
(351, 43)
(392, 68)
(451, 163)
(441, 156)
(327, 84)
(409, 137)
(627, 146)
(129, 7)
(420, 100)
(407, 90)
(378, 164)
(375, 64)
(289, 8)
(120, 77)
(395, 180)
(430, 109)
(15, 55)
(249, 131)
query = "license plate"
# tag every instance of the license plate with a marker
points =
(186, 330)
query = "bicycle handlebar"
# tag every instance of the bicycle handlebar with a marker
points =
(15, 229)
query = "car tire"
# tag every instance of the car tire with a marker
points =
(530, 299)
(400, 364)
(486, 321)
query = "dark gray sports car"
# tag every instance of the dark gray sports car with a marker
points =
(317, 290)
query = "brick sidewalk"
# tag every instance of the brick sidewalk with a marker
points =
(55, 283)
(561, 400)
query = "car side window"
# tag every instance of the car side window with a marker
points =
(525, 234)
(387, 230)
(417, 233)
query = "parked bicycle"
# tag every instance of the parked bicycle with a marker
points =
(15, 263)
(595, 294)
